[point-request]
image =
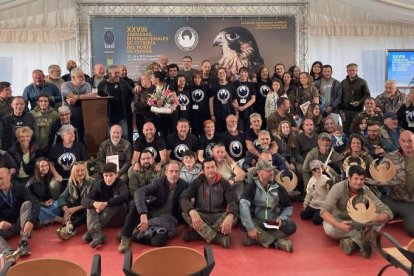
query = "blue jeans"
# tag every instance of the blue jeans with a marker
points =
(48, 214)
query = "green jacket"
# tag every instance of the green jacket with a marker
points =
(43, 123)
(5, 106)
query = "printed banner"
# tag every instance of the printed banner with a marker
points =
(138, 41)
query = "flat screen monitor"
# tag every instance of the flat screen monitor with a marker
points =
(400, 66)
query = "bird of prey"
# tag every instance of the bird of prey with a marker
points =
(238, 49)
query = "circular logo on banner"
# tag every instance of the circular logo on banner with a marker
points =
(186, 38)
(109, 37)
(264, 89)
(179, 151)
(198, 95)
(236, 148)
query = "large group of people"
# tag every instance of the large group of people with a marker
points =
(213, 161)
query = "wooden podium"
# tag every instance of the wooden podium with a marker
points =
(95, 120)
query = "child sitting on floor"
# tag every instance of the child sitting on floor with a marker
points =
(316, 192)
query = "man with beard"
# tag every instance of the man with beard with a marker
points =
(116, 148)
(211, 213)
(145, 175)
(234, 140)
(376, 145)
(54, 75)
(40, 86)
(281, 114)
(146, 217)
(71, 91)
(180, 141)
(45, 116)
(270, 203)
(119, 105)
(152, 142)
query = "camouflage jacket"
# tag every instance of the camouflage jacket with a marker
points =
(388, 104)
(142, 178)
(397, 188)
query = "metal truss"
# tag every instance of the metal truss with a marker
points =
(300, 11)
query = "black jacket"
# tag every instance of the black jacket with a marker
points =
(159, 190)
(11, 123)
(114, 195)
(17, 154)
(20, 194)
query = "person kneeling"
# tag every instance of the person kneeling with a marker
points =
(106, 204)
(269, 223)
(214, 208)
(337, 222)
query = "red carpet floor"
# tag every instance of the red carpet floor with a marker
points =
(314, 253)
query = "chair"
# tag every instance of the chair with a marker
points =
(398, 256)
(170, 260)
(52, 267)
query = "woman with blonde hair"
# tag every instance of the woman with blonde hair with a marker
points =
(24, 153)
(74, 214)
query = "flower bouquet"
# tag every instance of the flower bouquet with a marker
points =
(163, 101)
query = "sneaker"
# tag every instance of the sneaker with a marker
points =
(98, 239)
(348, 246)
(23, 248)
(284, 244)
(124, 245)
(192, 235)
(223, 240)
(64, 233)
(248, 241)
(87, 237)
